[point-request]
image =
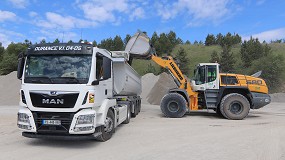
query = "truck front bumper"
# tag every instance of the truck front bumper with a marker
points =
(260, 100)
(61, 137)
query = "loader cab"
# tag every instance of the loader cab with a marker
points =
(206, 77)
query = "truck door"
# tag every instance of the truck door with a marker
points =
(103, 74)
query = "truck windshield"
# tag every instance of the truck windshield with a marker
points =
(58, 69)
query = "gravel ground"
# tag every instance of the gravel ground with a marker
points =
(198, 135)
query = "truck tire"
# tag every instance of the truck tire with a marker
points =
(128, 115)
(109, 127)
(234, 106)
(134, 114)
(173, 105)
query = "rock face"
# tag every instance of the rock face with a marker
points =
(10, 89)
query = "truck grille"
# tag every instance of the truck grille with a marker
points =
(42, 100)
(65, 118)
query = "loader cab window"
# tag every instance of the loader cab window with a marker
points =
(211, 73)
(200, 75)
(205, 74)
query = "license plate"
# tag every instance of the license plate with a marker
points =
(51, 122)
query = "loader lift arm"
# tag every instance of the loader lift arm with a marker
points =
(169, 63)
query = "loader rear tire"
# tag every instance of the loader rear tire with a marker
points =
(173, 105)
(234, 106)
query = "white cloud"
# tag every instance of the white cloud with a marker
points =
(199, 12)
(103, 11)
(19, 3)
(112, 11)
(33, 14)
(138, 13)
(4, 39)
(268, 35)
(51, 35)
(54, 20)
(7, 36)
(6, 15)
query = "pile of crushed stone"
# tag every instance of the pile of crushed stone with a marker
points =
(10, 89)
(155, 87)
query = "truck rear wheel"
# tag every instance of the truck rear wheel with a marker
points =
(234, 106)
(128, 115)
(134, 114)
(173, 105)
(109, 127)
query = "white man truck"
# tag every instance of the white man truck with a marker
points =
(76, 91)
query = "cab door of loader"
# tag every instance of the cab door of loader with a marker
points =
(206, 77)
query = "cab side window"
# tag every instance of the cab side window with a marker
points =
(212, 73)
(99, 66)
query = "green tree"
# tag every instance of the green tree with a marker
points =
(219, 39)
(252, 50)
(70, 42)
(10, 57)
(154, 38)
(215, 57)
(195, 42)
(188, 42)
(106, 44)
(272, 67)
(27, 43)
(43, 41)
(118, 44)
(210, 40)
(227, 60)
(126, 39)
(183, 61)
(2, 50)
(56, 41)
(94, 43)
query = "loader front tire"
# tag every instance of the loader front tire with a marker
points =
(173, 105)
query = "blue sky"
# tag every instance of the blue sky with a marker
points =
(98, 19)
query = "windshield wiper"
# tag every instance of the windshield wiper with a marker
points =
(70, 79)
(39, 79)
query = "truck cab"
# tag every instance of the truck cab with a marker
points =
(68, 91)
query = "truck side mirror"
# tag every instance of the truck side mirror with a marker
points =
(96, 82)
(107, 64)
(21, 63)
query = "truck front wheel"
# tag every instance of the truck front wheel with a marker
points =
(173, 105)
(234, 106)
(109, 127)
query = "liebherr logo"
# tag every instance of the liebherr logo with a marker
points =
(53, 101)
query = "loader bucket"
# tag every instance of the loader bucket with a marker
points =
(138, 46)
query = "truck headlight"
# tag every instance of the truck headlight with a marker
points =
(23, 117)
(24, 121)
(85, 119)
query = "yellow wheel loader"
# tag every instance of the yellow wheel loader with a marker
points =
(230, 95)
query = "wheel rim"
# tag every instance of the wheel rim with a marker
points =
(173, 106)
(108, 127)
(236, 107)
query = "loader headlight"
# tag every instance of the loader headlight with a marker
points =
(85, 119)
